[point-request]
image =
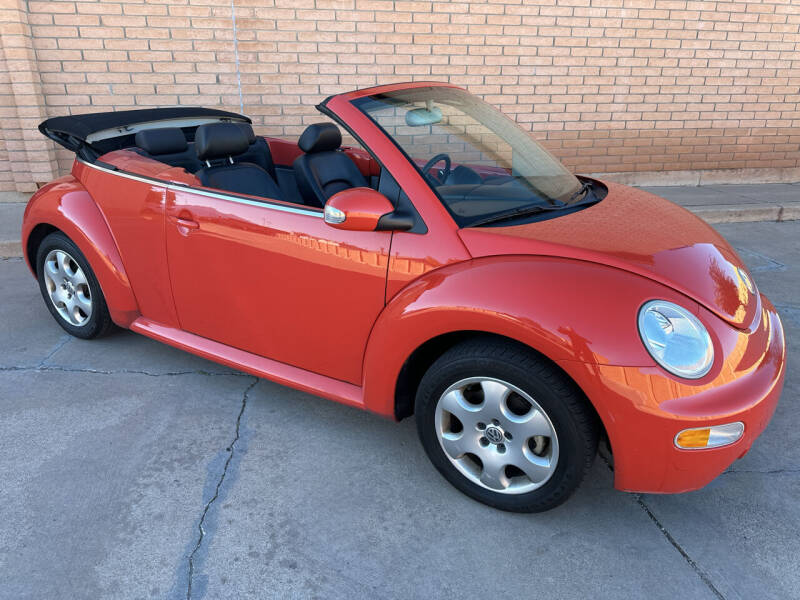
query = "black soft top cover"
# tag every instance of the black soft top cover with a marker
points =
(73, 131)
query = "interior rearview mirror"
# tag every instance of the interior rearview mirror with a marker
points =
(364, 209)
(423, 116)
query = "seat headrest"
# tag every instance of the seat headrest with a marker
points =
(219, 140)
(248, 131)
(320, 137)
(166, 140)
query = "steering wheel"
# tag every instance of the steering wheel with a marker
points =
(443, 174)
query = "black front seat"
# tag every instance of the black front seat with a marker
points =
(216, 144)
(257, 152)
(322, 171)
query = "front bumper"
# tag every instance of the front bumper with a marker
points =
(643, 408)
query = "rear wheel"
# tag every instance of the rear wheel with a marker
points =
(505, 426)
(70, 288)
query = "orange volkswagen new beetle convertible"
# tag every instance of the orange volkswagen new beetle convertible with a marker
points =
(449, 268)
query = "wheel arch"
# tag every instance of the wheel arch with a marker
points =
(575, 314)
(65, 206)
(35, 238)
(421, 359)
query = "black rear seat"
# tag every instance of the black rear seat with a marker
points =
(168, 145)
(216, 144)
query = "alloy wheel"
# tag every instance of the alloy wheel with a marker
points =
(68, 287)
(496, 435)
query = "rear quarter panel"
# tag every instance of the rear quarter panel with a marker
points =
(66, 205)
(135, 213)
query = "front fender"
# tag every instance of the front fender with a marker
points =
(571, 311)
(66, 205)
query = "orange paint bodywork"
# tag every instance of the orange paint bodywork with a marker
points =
(268, 287)
(66, 205)
(277, 284)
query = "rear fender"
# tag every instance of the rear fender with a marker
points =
(573, 312)
(66, 205)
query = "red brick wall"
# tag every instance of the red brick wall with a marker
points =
(614, 86)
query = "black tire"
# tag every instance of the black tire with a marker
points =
(99, 321)
(574, 421)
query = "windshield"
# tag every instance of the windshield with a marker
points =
(479, 162)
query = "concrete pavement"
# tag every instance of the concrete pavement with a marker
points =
(736, 203)
(10, 226)
(131, 469)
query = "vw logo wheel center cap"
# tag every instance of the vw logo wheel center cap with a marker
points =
(494, 434)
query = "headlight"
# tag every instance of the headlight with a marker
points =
(676, 339)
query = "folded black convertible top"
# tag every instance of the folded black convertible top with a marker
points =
(77, 132)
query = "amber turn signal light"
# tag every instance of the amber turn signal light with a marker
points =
(709, 437)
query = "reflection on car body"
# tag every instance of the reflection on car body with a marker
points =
(443, 265)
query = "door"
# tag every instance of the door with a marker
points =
(274, 279)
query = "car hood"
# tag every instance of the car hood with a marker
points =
(639, 232)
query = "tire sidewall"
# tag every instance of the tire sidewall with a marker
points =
(569, 470)
(58, 241)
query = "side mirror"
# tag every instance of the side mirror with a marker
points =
(363, 209)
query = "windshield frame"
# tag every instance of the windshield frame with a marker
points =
(369, 96)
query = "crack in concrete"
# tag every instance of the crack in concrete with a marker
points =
(689, 560)
(65, 339)
(763, 472)
(40, 367)
(231, 449)
(668, 536)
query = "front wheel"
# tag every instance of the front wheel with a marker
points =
(505, 426)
